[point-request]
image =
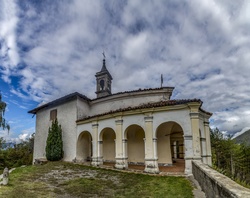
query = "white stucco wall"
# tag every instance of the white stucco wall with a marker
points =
(128, 100)
(42, 126)
(66, 115)
(83, 108)
(179, 116)
(108, 145)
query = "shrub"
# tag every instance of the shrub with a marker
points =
(54, 146)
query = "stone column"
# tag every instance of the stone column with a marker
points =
(196, 146)
(100, 152)
(120, 146)
(196, 135)
(96, 159)
(175, 149)
(151, 160)
(188, 144)
(203, 146)
(208, 143)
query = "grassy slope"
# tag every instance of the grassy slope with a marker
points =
(60, 179)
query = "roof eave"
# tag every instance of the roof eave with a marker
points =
(61, 100)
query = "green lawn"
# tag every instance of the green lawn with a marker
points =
(59, 179)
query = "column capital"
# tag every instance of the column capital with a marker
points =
(206, 123)
(148, 118)
(188, 137)
(95, 125)
(194, 115)
(124, 140)
(119, 122)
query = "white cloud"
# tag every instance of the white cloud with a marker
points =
(11, 136)
(201, 48)
(9, 57)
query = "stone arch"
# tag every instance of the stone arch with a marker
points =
(84, 147)
(170, 142)
(135, 136)
(107, 138)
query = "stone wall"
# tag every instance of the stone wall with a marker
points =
(215, 184)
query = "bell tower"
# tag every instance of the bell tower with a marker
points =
(103, 81)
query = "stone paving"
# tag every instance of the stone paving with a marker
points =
(177, 168)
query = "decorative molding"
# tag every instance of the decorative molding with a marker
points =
(124, 140)
(206, 123)
(148, 119)
(119, 122)
(203, 139)
(121, 158)
(95, 125)
(151, 159)
(192, 158)
(194, 115)
(188, 137)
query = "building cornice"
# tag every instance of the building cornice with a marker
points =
(134, 93)
(169, 105)
(59, 101)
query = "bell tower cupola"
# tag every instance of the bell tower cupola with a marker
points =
(103, 81)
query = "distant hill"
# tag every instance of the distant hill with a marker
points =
(7, 145)
(244, 137)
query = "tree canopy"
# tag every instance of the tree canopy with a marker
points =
(3, 122)
(230, 158)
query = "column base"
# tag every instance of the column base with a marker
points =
(209, 160)
(97, 161)
(188, 163)
(121, 163)
(151, 166)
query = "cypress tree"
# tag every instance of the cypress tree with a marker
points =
(54, 146)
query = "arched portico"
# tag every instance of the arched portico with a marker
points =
(170, 143)
(135, 136)
(107, 137)
(84, 147)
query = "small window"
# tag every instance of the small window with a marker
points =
(53, 114)
(102, 84)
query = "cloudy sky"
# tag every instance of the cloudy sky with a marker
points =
(49, 49)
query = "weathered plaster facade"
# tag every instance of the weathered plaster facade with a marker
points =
(141, 127)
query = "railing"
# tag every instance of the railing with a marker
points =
(214, 184)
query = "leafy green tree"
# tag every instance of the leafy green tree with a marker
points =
(54, 146)
(230, 158)
(3, 122)
(17, 155)
(2, 141)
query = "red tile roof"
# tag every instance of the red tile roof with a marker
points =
(134, 91)
(147, 105)
(75, 94)
(61, 100)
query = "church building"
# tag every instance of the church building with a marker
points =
(144, 127)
